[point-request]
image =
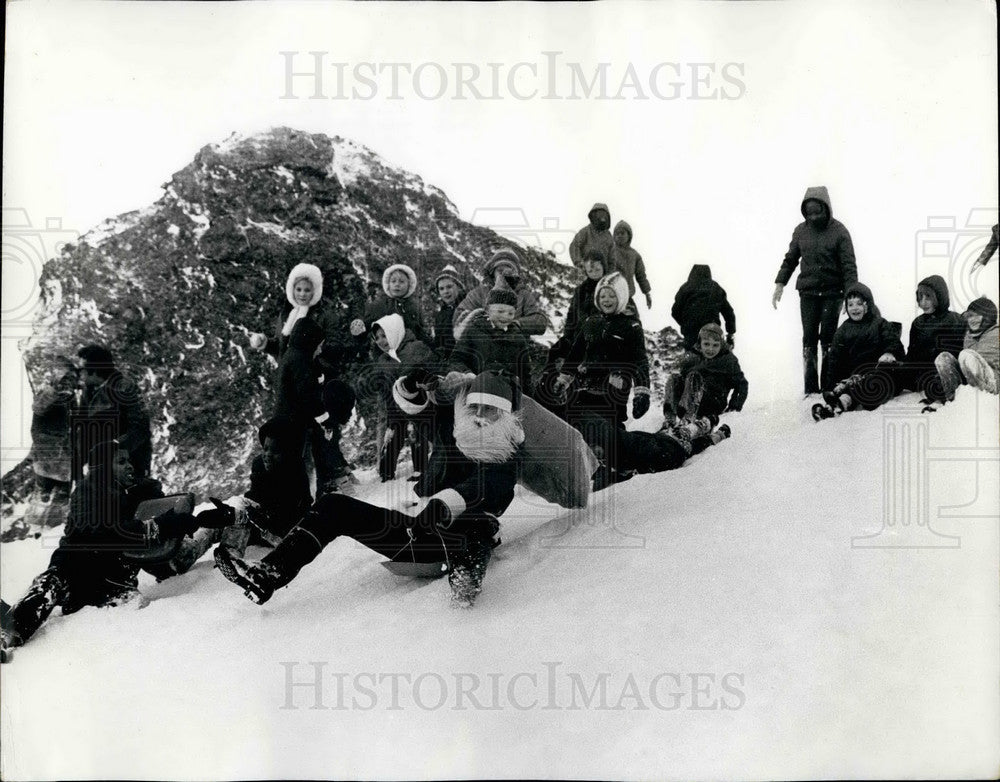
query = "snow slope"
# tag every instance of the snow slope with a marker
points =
(735, 628)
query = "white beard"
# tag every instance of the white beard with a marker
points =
(493, 442)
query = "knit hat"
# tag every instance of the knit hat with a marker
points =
(449, 272)
(301, 271)
(489, 388)
(617, 282)
(280, 428)
(411, 277)
(502, 295)
(503, 255)
(713, 330)
(97, 359)
(594, 254)
(986, 308)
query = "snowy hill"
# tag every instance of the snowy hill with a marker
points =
(789, 604)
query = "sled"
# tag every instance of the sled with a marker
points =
(157, 551)
(416, 569)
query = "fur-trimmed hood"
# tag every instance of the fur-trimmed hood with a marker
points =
(410, 275)
(301, 271)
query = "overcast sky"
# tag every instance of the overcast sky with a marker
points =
(713, 119)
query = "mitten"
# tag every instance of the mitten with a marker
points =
(640, 405)
(358, 327)
(257, 341)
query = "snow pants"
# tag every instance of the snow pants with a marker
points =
(970, 367)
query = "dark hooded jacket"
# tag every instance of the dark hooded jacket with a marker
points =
(629, 263)
(826, 254)
(589, 239)
(581, 307)
(701, 300)
(444, 330)
(721, 375)
(299, 395)
(481, 347)
(936, 332)
(858, 345)
(118, 404)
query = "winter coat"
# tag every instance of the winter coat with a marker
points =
(51, 410)
(481, 346)
(282, 494)
(298, 395)
(721, 375)
(936, 332)
(406, 352)
(444, 330)
(112, 411)
(987, 344)
(701, 300)
(340, 348)
(859, 344)
(629, 263)
(581, 307)
(530, 316)
(407, 308)
(589, 239)
(826, 254)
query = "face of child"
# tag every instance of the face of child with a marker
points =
(272, 454)
(380, 339)
(302, 292)
(447, 291)
(815, 214)
(856, 308)
(122, 470)
(501, 315)
(398, 284)
(593, 269)
(710, 347)
(975, 321)
(621, 236)
(607, 300)
(926, 302)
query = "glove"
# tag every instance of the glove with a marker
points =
(358, 327)
(776, 296)
(731, 341)
(221, 515)
(649, 301)
(436, 515)
(640, 405)
(562, 382)
(172, 524)
(257, 341)
(616, 380)
(421, 377)
(454, 379)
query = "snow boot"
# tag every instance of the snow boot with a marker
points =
(720, 434)
(810, 373)
(821, 412)
(468, 571)
(260, 579)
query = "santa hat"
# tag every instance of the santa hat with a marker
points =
(301, 271)
(504, 255)
(490, 388)
(449, 272)
(501, 294)
(411, 277)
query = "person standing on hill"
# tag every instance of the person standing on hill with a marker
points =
(824, 247)
(594, 236)
(700, 301)
(628, 261)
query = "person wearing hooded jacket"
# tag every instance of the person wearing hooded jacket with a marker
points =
(702, 300)
(594, 236)
(978, 364)
(823, 246)
(450, 290)
(504, 270)
(399, 284)
(628, 261)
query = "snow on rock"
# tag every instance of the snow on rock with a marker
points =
(762, 612)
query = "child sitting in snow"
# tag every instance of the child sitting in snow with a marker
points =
(861, 344)
(399, 284)
(450, 290)
(493, 341)
(710, 381)
(978, 364)
(628, 261)
(702, 300)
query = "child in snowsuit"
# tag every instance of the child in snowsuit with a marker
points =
(668, 449)
(399, 284)
(863, 343)
(450, 290)
(702, 300)
(978, 365)
(397, 352)
(89, 566)
(594, 236)
(457, 526)
(504, 270)
(827, 254)
(304, 297)
(710, 381)
(491, 340)
(628, 261)
(606, 363)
